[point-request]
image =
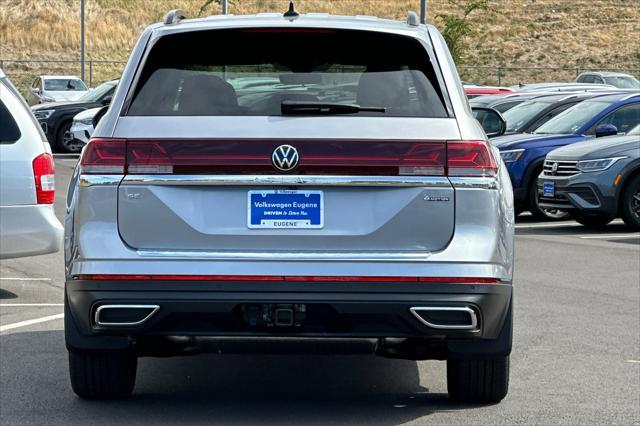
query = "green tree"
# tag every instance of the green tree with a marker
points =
(457, 28)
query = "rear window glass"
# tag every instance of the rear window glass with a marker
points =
(253, 71)
(9, 131)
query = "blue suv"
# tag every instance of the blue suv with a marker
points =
(524, 154)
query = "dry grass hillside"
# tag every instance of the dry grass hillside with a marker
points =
(517, 33)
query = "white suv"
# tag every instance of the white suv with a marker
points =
(28, 225)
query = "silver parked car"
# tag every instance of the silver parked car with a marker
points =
(56, 88)
(28, 225)
(617, 79)
(349, 194)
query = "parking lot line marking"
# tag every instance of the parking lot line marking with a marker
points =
(557, 224)
(634, 361)
(24, 279)
(546, 225)
(607, 237)
(30, 304)
(30, 322)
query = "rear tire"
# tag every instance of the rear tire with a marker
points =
(594, 221)
(478, 380)
(537, 211)
(630, 208)
(102, 375)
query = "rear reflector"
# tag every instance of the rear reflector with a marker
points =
(452, 280)
(44, 175)
(317, 157)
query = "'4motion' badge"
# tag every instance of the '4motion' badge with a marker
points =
(432, 198)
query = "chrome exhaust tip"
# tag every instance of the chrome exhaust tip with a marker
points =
(446, 317)
(124, 315)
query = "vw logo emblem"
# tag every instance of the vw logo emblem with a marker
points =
(285, 158)
(554, 168)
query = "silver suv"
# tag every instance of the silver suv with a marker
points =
(300, 176)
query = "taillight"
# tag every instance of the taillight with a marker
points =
(470, 158)
(317, 157)
(103, 156)
(44, 175)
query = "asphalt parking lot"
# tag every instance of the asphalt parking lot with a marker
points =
(576, 356)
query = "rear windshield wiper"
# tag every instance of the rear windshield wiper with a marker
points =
(311, 108)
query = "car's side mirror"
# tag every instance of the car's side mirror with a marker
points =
(606, 130)
(96, 118)
(491, 121)
(35, 90)
(107, 100)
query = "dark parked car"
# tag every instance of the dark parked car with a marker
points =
(529, 115)
(595, 181)
(524, 154)
(56, 117)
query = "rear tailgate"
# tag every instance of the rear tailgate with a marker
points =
(187, 193)
(367, 115)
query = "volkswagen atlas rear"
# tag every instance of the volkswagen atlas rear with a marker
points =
(289, 176)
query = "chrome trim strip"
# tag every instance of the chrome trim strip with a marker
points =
(474, 182)
(472, 316)
(154, 309)
(288, 180)
(98, 180)
(295, 256)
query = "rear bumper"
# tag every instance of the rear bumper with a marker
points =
(28, 231)
(332, 310)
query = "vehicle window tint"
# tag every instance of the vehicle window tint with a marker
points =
(253, 71)
(97, 94)
(548, 116)
(573, 119)
(624, 118)
(588, 79)
(64, 85)
(623, 82)
(6, 84)
(518, 116)
(9, 131)
(506, 106)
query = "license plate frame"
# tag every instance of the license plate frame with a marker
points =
(289, 209)
(548, 189)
